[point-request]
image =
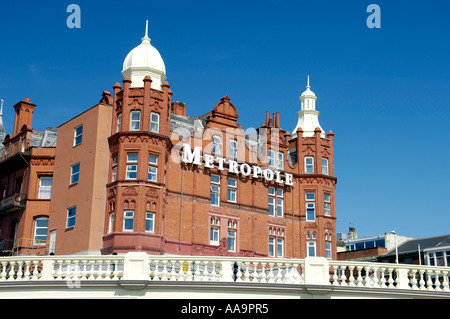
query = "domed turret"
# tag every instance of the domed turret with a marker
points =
(308, 117)
(142, 61)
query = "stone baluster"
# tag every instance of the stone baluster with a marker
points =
(271, 277)
(413, 280)
(445, 284)
(35, 272)
(11, 271)
(26, 275)
(351, 278)
(429, 281)
(382, 277)
(3, 273)
(213, 276)
(422, 281)
(164, 273)
(19, 270)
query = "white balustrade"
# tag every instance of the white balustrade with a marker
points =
(363, 275)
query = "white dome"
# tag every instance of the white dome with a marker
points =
(142, 61)
(144, 56)
(308, 93)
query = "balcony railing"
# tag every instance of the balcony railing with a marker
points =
(143, 268)
(13, 203)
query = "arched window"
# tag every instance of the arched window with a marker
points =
(40, 231)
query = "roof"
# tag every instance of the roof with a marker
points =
(425, 243)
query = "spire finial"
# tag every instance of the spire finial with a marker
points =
(146, 38)
(307, 86)
(1, 107)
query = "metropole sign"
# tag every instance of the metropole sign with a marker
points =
(197, 157)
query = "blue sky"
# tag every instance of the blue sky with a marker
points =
(385, 93)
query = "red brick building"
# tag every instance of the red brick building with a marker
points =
(136, 173)
(26, 174)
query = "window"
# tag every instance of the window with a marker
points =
(111, 222)
(309, 164)
(324, 166)
(328, 250)
(45, 187)
(153, 168)
(154, 122)
(217, 145)
(233, 149)
(232, 231)
(326, 204)
(75, 173)
(150, 222)
(311, 248)
(40, 231)
(310, 206)
(276, 242)
(132, 159)
(276, 246)
(272, 158)
(78, 135)
(280, 160)
(135, 121)
(114, 169)
(276, 202)
(439, 258)
(23, 144)
(119, 122)
(272, 246)
(276, 159)
(214, 231)
(71, 213)
(232, 184)
(215, 190)
(128, 220)
(231, 240)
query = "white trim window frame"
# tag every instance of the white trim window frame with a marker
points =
(154, 122)
(71, 216)
(217, 145)
(327, 204)
(111, 222)
(325, 167)
(272, 161)
(215, 190)
(75, 173)
(232, 190)
(40, 231)
(78, 135)
(119, 122)
(132, 166)
(311, 249)
(135, 120)
(310, 206)
(153, 168)
(309, 164)
(280, 160)
(233, 148)
(150, 222)
(114, 169)
(45, 187)
(128, 220)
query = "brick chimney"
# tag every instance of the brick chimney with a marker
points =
(179, 108)
(24, 115)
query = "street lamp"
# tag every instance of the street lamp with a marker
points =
(396, 248)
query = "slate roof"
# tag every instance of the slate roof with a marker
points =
(411, 246)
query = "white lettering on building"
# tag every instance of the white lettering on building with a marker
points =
(209, 161)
